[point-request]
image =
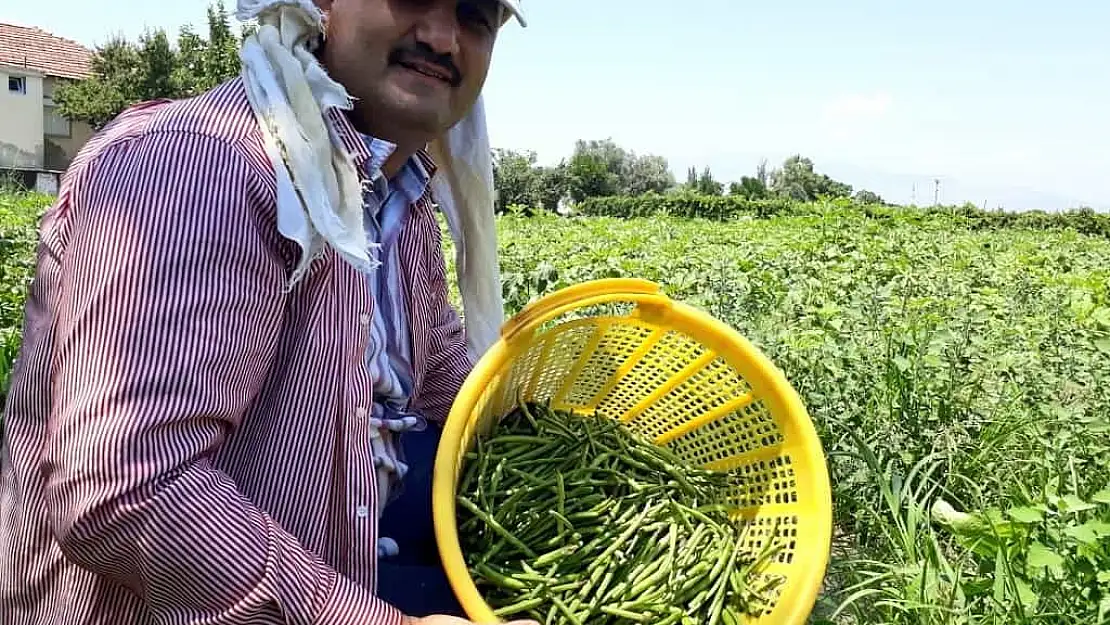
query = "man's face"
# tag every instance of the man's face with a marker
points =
(414, 67)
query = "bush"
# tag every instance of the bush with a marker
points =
(683, 204)
(688, 204)
(20, 212)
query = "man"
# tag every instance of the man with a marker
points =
(238, 347)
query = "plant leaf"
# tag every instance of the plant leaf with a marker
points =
(1101, 316)
(1100, 528)
(1102, 496)
(1025, 514)
(999, 580)
(1103, 346)
(1072, 503)
(1085, 534)
(1041, 557)
(1029, 598)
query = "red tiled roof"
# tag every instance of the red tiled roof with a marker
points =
(38, 50)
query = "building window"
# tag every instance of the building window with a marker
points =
(17, 84)
(53, 124)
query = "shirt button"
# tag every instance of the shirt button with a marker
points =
(364, 319)
(388, 548)
(361, 413)
(362, 512)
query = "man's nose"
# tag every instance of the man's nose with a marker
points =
(439, 27)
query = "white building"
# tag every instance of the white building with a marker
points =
(32, 134)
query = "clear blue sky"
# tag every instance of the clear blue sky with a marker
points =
(1007, 102)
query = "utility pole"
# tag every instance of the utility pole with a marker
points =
(913, 195)
(936, 191)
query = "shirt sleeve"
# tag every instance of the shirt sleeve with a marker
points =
(168, 312)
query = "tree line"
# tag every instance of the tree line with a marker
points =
(601, 168)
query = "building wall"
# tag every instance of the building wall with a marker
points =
(60, 151)
(63, 138)
(21, 117)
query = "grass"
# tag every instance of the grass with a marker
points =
(959, 379)
(19, 216)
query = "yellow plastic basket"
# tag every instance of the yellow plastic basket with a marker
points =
(682, 378)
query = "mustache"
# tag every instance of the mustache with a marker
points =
(423, 53)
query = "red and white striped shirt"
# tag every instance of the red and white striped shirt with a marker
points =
(187, 439)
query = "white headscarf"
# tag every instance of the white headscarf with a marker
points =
(319, 194)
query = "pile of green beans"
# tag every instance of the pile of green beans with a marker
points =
(574, 520)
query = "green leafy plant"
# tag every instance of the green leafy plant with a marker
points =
(1052, 556)
(948, 357)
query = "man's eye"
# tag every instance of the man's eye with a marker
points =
(477, 14)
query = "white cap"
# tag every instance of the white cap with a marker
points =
(514, 7)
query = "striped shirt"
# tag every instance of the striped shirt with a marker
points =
(389, 354)
(188, 441)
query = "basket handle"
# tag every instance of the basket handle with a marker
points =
(582, 295)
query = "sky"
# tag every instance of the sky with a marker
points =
(1005, 102)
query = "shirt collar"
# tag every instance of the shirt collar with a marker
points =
(370, 154)
(410, 181)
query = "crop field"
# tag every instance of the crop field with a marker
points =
(959, 378)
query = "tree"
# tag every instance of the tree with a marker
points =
(513, 177)
(601, 167)
(520, 181)
(762, 175)
(551, 186)
(125, 73)
(749, 188)
(647, 173)
(702, 183)
(589, 175)
(864, 196)
(706, 185)
(117, 76)
(207, 63)
(798, 180)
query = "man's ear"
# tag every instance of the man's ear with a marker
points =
(325, 8)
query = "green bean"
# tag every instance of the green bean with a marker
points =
(497, 527)
(500, 579)
(521, 606)
(581, 520)
(566, 611)
(722, 588)
(625, 614)
(553, 556)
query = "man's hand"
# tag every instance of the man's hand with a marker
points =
(439, 619)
